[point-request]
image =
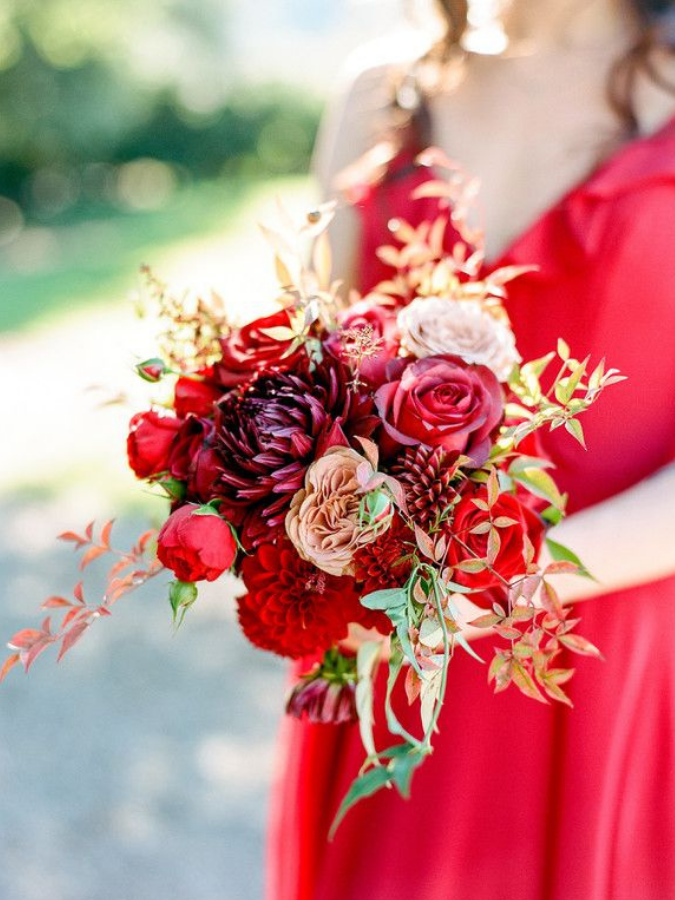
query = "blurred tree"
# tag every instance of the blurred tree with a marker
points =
(95, 81)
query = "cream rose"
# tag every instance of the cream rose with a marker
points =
(436, 326)
(324, 521)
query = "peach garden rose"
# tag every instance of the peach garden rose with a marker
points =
(325, 522)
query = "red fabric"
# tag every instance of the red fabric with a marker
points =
(522, 800)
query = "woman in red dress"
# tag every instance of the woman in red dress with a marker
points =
(522, 800)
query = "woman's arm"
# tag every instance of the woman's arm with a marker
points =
(626, 540)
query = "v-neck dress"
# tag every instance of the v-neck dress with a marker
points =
(522, 801)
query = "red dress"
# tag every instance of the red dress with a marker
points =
(522, 800)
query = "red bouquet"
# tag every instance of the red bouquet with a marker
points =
(360, 466)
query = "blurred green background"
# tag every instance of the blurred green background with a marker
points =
(136, 115)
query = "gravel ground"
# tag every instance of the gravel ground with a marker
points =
(140, 767)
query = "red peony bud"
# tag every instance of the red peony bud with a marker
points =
(196, 546)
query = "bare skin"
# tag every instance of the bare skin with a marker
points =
(545, 101)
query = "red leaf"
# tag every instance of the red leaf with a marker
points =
(524, 681)
(29, 657)
(578, 644)
(8, 665)
(146, 537)
(89, 531)
(53, 602)
(486, 621)
(119, 566)
(92, 554)
(24, 639)
(549, 599)
(77, 592)
(71, 638)
(71, 536)
(413, 685)
(507, 632)
(556, 693)
(72, 614)
(424, 543)
(105, 533)
(561, 567)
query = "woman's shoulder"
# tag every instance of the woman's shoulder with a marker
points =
(358, 114)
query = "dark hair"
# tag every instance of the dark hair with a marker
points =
(656, 32)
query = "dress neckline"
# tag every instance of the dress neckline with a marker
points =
(598, 172)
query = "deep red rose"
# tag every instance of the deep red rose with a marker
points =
(292, 608)
(441, 401)
(247, 350)
(188, 442)
(204, 473)
(196, 547)
(149, 443)
(381, 319)
(196, 397)
(510, 561)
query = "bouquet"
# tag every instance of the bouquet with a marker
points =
(360, 466)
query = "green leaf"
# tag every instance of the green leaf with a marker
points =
(529, 462)
(207, 510)
(402, 768)
(366, 661)
(563, 350)
(393, 724)
(364, 786)
(561, 552)
(431, 633)
(540, 483)
(573, 427)
(387, 599)
(432, 682)
(552, 515)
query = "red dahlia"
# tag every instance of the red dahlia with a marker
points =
(292, 608)
(269, 432)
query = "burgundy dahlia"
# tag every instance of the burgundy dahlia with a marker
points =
(323, 702)
(268, 433)
(292, 608)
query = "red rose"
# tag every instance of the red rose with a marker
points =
(381, 320)
(196, 547)
(205, 471)
(188, 442)
(149, 443)
(248, 349)
(197, 397)
(441, 401)
(510, 561)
